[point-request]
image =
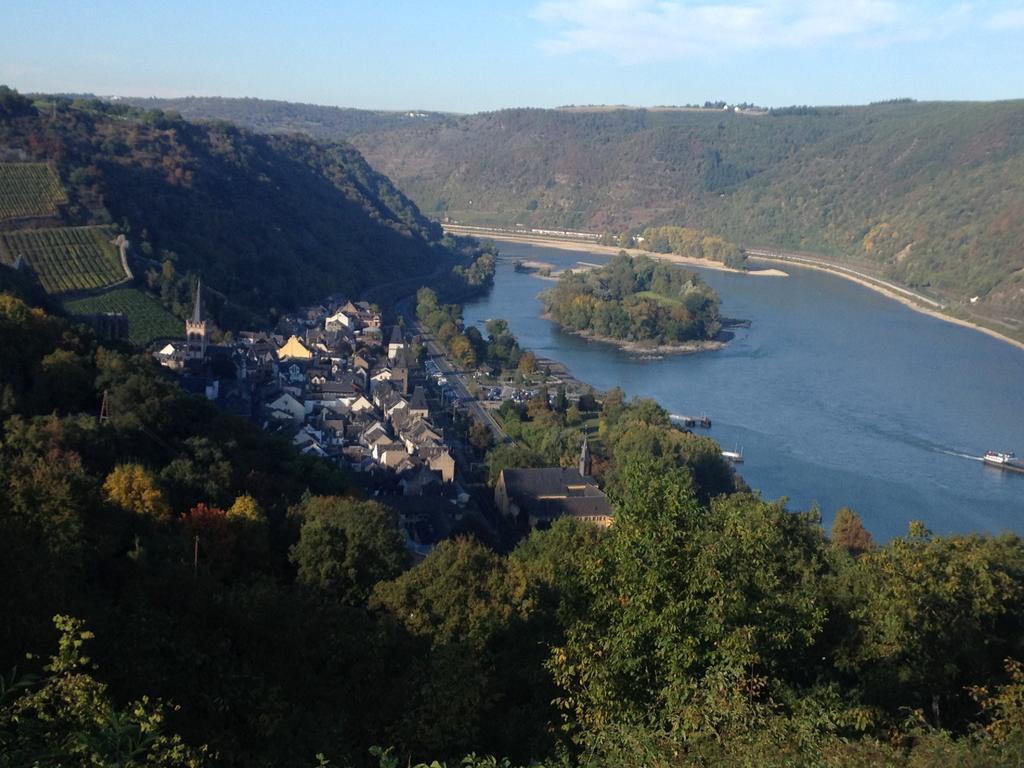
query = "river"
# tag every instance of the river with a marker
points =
(837, 395)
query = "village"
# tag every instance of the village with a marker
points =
(384, 403)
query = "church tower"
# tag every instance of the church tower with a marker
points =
(585, 460)
(195, 329)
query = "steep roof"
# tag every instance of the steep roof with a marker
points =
(551, 492)
(419, 400)
(294, 349)
(547, 481)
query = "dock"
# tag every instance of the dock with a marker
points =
(691, 421)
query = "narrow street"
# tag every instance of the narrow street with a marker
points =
(458, 382)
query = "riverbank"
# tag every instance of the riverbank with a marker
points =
(905, 297)
(544, 270)
(644, 348)
(902, 295)
(577, 246)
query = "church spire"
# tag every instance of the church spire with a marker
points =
(195, 329)
(585, 459)
(197, 314)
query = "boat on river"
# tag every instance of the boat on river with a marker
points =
(1006, 460)
(736, 457)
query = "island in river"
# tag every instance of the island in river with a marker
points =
(638, 304)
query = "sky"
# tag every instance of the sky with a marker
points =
(464, 56)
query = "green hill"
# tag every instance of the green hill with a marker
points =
(928, 194)
(269, 222)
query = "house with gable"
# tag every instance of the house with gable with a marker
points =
(294, 349)
(396, 343)
(287, 404)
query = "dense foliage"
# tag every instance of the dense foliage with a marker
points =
(636, 299)
(692, 243)
(268, 222)
(465, 346)
(247, 611)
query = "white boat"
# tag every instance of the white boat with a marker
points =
(995, 457)
(736, 457)
(1003, 461)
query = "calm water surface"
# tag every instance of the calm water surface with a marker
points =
(836, 395)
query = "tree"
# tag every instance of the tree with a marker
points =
(480, 436)
(13, 104)
(135, 489)
(246, 508)
(930, 616)
(693, 610)
(461, 350)
(849, 532)
(561, 401)
(446, 332)
(527, 363)
(573, 416)
(346, 546)
(613, 406)
(476, 672)
(539, 405)
(426, 303)
(248, 523)
(208, 529)
(67, 717)
(65, 381)
(515, 456)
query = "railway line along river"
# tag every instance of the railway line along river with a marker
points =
(837, 395)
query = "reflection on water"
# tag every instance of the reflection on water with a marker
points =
(838, 395)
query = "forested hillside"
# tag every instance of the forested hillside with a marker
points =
(927, 193)
(268, 222)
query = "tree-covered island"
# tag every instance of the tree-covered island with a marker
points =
(638, 303)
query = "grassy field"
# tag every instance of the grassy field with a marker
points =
(65, 258)
(657, 298)
(147, 319)
(29, 189)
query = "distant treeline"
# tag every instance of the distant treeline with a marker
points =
(692, 243)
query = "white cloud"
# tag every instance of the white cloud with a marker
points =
(664, 30)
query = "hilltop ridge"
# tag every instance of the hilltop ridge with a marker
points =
(924, 193)
(269, 222)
